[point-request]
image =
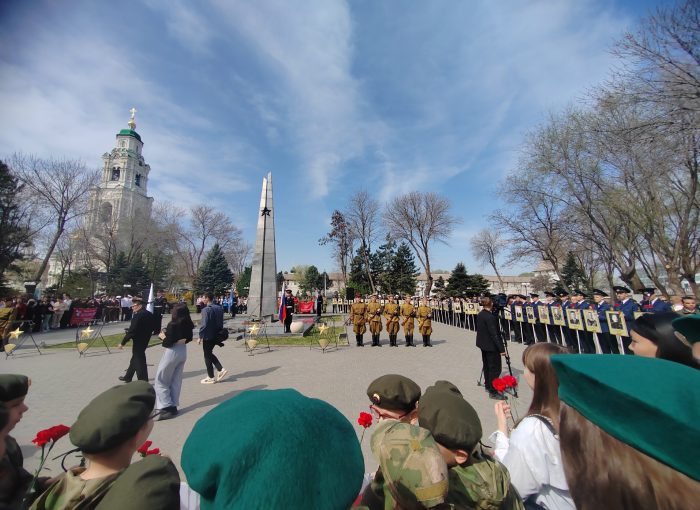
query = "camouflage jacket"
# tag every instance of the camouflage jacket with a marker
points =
(484, 484)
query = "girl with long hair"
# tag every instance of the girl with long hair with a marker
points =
(531, 453)
(176, 335)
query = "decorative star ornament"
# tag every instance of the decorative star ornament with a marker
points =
(265, 212)
(254, 329)
(86, 332)
(15, 334)
(322, 329)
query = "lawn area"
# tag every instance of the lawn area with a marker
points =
(312, 336)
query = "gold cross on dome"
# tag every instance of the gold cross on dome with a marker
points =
(133, 112)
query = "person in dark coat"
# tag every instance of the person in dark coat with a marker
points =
(140, 332)
(488, 339)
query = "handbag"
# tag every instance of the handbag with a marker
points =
(222, 335)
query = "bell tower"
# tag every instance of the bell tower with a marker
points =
(120, 202)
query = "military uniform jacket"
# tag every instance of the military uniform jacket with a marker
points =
(484, 483)
(141, 328)
(375, 312)
(359, 313)
(71, 492)
(425, 322)
(627, 308)
(408, 312)
(391, 313)
(656, 306)
(601, 308)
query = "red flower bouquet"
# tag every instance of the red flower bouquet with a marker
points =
(144, 449)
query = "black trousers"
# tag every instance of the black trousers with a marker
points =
(288, 323)
(138, 363)
(554, 333)
(491, 362)
(210, 359)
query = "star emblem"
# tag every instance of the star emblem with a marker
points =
(86, 332)
(16, 333)
(322, 329)
(265, 212)
(254, 329)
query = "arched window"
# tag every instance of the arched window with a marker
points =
(116, 172)
(122, 143)
(138, 180)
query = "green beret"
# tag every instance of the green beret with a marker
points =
(444, 386)
(411, 463)
(113, 417)
(273, 449)
(644, 400)
(688, 326)
(451, 420)
(13, 386)
(394, 392)
(149, 483)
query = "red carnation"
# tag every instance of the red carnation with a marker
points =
(155, 451)
(511, 382)
(498, 384)
(143, 449)
(51, 434)
(365, 419)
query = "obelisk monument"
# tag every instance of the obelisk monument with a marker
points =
(262, 295)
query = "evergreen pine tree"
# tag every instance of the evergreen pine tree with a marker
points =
(357, 278)
(243, 282)
(380, 266)
(312, 280)
(478, 284)
(213, 275)
(115, 275)
(403, 271)
(459, 282)
(14, 234)
(573, 274)
(439, 287)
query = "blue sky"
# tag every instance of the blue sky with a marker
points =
(330, 96)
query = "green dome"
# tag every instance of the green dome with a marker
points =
(130, 132)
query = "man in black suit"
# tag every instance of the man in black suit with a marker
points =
(489, 340)
(139, 331)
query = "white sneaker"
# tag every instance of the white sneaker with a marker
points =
(208, 380)
(221, 374)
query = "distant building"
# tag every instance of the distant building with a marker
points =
(511, 284)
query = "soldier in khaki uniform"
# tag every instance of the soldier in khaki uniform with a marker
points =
(408, 313)
(391, 314)
(425, 323)
(358, 314)
(374, 311)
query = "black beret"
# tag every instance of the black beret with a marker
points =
(394, 392)
(13, 386)
(620, 288)
(451, 420)
(598, 292)
(149, 483)
(113, 417)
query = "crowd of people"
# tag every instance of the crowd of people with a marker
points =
(600, 432)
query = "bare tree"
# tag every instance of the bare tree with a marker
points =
(58, 186)
(486, 246)
(363, 221)
(206, 228)
(420, 219)
(342, 240)
(238, 256)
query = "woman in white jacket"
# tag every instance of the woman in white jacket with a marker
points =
(531, 453)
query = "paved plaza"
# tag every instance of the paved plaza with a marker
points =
(62, 383)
